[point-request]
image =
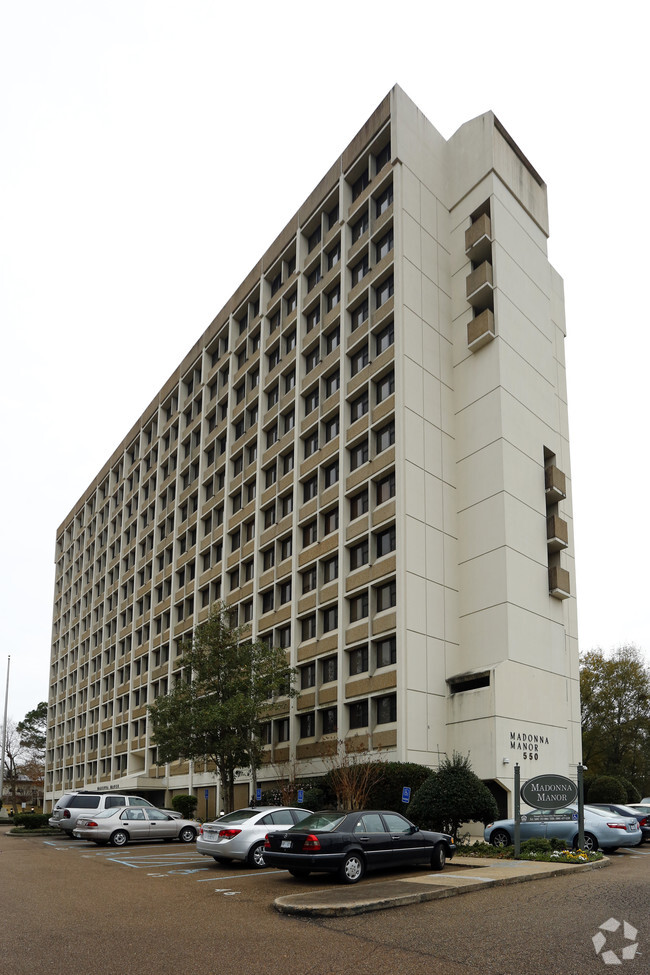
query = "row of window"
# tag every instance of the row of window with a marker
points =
(325, 721)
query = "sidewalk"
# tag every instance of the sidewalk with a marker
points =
(461, 876)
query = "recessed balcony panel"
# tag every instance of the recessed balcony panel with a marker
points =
(478, 287)
(555, 484)
(559, 582)
(557, 533)
(480, 330)
(478, 240)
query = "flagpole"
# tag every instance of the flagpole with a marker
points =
(4, 736)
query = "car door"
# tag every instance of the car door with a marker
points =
(409, 845)
(374, 838)
(135, 823)
(161, 826)
(533, 825)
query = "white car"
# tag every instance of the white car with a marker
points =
(240, 835)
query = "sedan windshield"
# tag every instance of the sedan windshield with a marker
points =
(326, 821)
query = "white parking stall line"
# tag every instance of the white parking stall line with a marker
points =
(237, 876)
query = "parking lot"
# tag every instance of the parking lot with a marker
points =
(156, 907)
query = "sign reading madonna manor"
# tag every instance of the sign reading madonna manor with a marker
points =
(528, 744)
(549, 792)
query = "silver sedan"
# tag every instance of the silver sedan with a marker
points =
(126, 824)
(605, 830)
(240, 835)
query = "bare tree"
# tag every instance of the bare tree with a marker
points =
(353, 772)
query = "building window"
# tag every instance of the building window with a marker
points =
(359, 227)
(358, 711)
(382, 157)
(330, 569)
(313, 318)
(383, 201)
(359, 607)
(329, 670)
(292, 302)
(267, 601)
(331, 521)
(310, 444)
(289, 420)
(269, 516)
(386, 708)
(274, 357)
(287, 462)
(307, 676)
(334, 256)
(359, 406)
(333, 340)
(307, 725)
(270, 476)
(332, 383)
(360, 270)
(313, 278)
(358, 455)
(385, 387)
(272, 435)
(285, 593)
(333, 297)
(359, 504)
(289, 381)
(385, 488)
(359, 359)
(385, 338)
(330, 618)
(311, 401)
(359, 555)
(358, 661)
(329, 722)
(359, 185)
(386, 596)
(384, 246)
(386, 651)
(384, 291)
(309, 580)
(268, 557)
(286, 547)
(266, 733)
(333, 217)
(331, 428)
(310, 489)
(385, 437)
(282, 729)
(290, 341)
(313, 239)
(331, 474)
(359, 315)
(308, 627)
(309, 534)
(312, 359)
(284, 637)
(272, 396)
(385, 541)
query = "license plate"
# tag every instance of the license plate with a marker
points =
(209, 834)
(285, 844)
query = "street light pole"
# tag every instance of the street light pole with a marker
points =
(4, 737)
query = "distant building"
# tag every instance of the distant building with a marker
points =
(367, 453)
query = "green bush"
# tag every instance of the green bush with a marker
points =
(633, 794)
(185, 805)
(451, 796)
(386, 793)
(537, 844)
(31, 820)
(607, 788)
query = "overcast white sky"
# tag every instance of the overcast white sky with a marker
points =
(151, 151)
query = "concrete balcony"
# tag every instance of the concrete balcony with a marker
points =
(559, 582)
(479, 287)
(478, 240)
(480, 330)
(557, 533)
(555, 484)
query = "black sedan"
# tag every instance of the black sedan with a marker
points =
(349, 843)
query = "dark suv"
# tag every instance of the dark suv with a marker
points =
(72, 804)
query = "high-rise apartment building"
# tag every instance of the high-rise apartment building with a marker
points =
(367, 455)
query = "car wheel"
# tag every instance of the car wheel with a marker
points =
(255, 856)
(352, 869)
(119, 838)
(298, 872)
(500, 838)
(187, 834)
(221, 859)
(591, 843)
(439, 856)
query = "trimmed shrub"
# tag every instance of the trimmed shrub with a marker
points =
(31, 820)
(451, 796)
(607, 788)
(633, 794)
(185, 805)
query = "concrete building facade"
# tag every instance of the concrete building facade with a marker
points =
(367, 454)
